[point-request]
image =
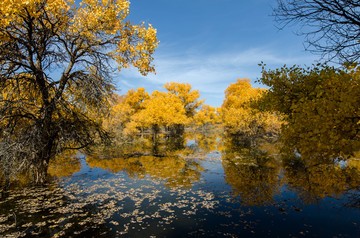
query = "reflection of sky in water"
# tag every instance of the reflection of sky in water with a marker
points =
(97, 202)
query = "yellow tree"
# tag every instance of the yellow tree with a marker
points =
(189, 98)
(205, 116)
(161, 109)
(123, 108)
(55, 63)
(240, 117)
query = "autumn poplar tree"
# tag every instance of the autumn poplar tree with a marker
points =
(206, 116)
(189, 99)
(161, 109)
(122, 110)
(56, 60)
(241, 118)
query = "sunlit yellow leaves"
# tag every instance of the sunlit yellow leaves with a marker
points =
(188, 96)
(137, 111)
(206, 115)
(123, 108)
(238, 115)
(97, 15)
(95, 22)
(135, 43)
(162, 109)
(16, 11)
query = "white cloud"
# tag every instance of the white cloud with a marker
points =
(210, 73)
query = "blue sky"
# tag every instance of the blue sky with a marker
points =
(212, 43)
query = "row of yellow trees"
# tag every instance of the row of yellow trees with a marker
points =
(180, 107)
(172, 110)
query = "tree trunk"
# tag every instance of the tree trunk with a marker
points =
(155, 129)
(46, 146)
(40, 171)
(42, 159)
(7, 175)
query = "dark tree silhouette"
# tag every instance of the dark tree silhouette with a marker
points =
(331, 27)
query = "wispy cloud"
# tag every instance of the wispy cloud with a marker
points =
(210, 73)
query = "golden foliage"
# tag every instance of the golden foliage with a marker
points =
(123, 108)
(239, 117)
(207, 115)
(175, 108)
(188, 97)
(90, 20)
(161, 109)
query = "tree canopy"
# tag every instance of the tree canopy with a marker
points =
(321, 107)
(161, 109)
(188, 96)
(239, 117)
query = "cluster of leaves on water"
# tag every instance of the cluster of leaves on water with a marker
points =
(83, 206)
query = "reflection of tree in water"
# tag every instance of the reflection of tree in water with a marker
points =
(173, 144)
(204, 142)
(316, 179)
(176, 171)
(63, 165)
(161, 158)
(320, 169)
(198, 144)
(252, 173)
(353, 196)
(161, 145)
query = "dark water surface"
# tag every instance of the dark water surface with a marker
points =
(202, 188)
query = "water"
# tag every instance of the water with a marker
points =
(216, 189)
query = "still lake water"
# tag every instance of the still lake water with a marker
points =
(195, 186)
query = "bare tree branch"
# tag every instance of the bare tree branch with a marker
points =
(331, 27)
